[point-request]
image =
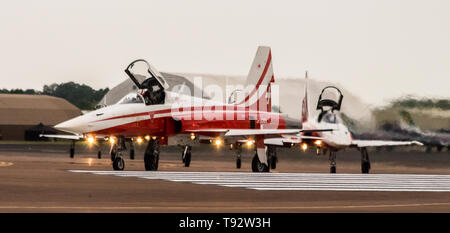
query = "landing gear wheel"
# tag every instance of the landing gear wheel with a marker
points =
(365, 161)
(333, 169)
(72, 153)
(132, 154)
(187, 159)
(273, 162)
(257, 166)
(151, 156)
(332, 158)
(365, 167)
(118, 164)
(99, 154)
(238, 163)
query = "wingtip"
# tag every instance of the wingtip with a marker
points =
(417, 143)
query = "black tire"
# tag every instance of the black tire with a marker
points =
(333, 169)
(151, 156)
(119, 164)
(257, 166)
(99, 154)
(187, 159)
(273, 162)
(132, 154)
(365, 167)
(238, 163)
(72, 152)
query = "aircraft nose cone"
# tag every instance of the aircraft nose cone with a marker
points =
(71, 126)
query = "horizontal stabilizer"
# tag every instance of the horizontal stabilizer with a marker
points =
(375, 143)
(72, 137)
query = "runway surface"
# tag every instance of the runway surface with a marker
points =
(299, 181)
(36, 178)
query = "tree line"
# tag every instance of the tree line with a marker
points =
(443, 104)
(80, 95)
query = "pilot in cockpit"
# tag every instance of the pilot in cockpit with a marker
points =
(153, 92)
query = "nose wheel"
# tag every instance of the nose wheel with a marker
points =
(119, 163)
(116, 154)
(258, 166)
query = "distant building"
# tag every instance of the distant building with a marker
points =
(22, 115)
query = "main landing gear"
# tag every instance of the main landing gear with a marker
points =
(186, 155)
(131, 150)
(151, 156)
(272, 156)
(332, 158)
(365, 162)
(238, 155)
(72, 149)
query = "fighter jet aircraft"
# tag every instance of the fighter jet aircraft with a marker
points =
(163, 117)
(340, 137)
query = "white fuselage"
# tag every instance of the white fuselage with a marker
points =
(339, 138)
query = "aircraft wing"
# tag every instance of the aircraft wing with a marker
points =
(287, 139)
(375, 143)
(73, 137)
(248, 132)
(208, 130)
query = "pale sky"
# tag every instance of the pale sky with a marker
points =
(376, 49)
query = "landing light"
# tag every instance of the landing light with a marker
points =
(304, 146)
(147, 137)
(318, 142)
(218, 142)
(249, 143)
(112, 140)
(139, 140)
(90, 139)
(192, 136)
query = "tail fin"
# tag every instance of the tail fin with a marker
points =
(305, 112)
(257, 86)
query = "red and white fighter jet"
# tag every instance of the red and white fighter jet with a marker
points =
(163, 117)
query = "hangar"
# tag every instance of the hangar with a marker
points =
(22, 116)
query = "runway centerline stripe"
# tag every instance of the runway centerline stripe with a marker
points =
(298, 181)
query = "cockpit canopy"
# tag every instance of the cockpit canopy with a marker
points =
(132, 98)
(145, 76)
(149, 80)
(330, 98)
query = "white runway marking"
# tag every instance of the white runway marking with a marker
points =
(299, 181)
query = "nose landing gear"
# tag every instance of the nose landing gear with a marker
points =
(257, 164)
(116, 154)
